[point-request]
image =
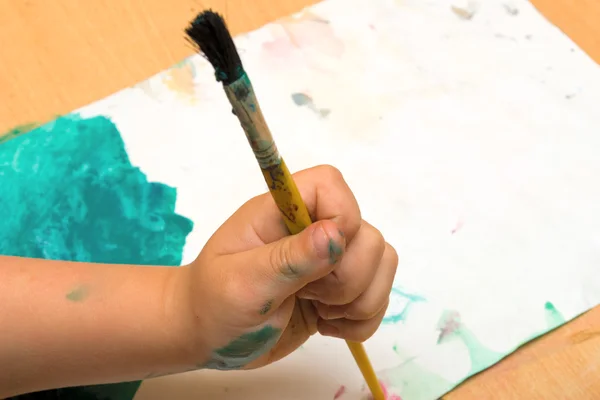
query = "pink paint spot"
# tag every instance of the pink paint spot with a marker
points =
(459, 224)
(281, 46)
(339, 392)
(386, 393)
(372, 27)
(308, 36)
(449, 324)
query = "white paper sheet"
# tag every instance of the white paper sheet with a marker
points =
(470, 135)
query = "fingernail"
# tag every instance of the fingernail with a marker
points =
(335, 314)
(328, 242)
(329, 330)
(306, 295)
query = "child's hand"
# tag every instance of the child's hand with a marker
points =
(257, 294)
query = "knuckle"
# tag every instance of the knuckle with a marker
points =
(361, 312)
(383, 310)
(281, 262)
(256, 200)
(341, 292)
(377, 241)
(361, 334)
(330, 173)
(393, 254)
(344, 295)
(237, 294)
(374, 310)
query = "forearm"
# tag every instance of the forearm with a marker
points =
(69, 324)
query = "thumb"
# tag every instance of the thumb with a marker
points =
(280, 269)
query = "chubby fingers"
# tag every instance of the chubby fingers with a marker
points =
(360, 318)
(326, 195)
(263, 278)
(355, 273)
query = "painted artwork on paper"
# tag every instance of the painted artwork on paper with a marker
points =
(448, 122)
(69, 192)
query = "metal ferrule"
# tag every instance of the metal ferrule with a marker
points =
(245, 106)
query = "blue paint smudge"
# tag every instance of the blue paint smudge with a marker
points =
(301, 100)
(69, 192)
(400, 304)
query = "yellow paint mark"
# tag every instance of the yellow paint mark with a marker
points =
(180, 79)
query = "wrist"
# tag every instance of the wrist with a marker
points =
(191, 348)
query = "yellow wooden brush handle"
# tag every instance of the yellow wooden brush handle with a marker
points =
(283, 189)
(287, 197)
(362, 360)
(296, 218)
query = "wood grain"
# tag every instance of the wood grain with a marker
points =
(56, 56)
(579, 19)
(562, 365)
(59, 55)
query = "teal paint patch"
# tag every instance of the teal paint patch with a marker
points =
(554, 318)
(244, 349)
(78, 294)
(69, 192)
(400, 304)
(15, 132)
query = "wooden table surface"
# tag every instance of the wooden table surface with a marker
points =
(59, 55)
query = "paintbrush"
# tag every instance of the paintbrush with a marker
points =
(209, 33)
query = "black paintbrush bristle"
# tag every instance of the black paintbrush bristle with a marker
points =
(209, 33)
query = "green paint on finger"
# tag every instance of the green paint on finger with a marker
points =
(335, 252)
(266, 307)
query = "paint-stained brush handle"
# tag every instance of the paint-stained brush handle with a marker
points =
(284, 190)
(209, 32)
(364, 364)
(296, 217)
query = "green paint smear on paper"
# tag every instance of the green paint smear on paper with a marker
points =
(411, 381)
(481, 356)
(554, 318)
(69, 192)
(398, 296)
